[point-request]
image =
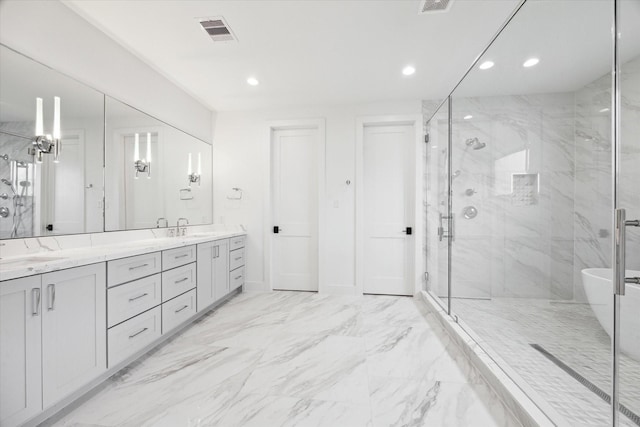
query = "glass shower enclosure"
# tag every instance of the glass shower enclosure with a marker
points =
(532, 195)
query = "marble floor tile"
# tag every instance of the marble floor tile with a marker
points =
(408, 402)
(299, 359)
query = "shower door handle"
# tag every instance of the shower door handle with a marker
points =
(441, 231)
(619, 251)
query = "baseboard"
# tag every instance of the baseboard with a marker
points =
(255, 286)
(335, 289)
(523, 402)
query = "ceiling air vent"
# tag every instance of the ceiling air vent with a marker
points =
(434, 6)
(217, 29)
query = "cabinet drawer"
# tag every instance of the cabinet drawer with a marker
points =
(236, 259)
(133, 335)
(176, 257)
(236, 278)
(131, 299)
(132, 268)
(178, 310)
(178, 281)
(236, 242)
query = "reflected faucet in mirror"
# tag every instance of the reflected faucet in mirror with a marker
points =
(181, 231)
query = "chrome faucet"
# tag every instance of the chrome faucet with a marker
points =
(166, 222)
(183, 231)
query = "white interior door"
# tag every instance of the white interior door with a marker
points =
(64, 182)
(295, 209)
(387, 209)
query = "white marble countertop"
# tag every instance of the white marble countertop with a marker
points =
(12, 267)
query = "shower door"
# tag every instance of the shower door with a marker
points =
(627, 321)
(436, 182)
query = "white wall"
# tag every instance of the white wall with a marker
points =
(241, 159)
(53, 34)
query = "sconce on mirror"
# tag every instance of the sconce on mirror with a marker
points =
(194, 177)
(47, 143)
(142, 165)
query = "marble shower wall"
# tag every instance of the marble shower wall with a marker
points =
(593, 200)
(520, 244)
(536, 230)
(16, 148)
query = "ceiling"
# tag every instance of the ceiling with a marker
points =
(304, 52)
(319, 52)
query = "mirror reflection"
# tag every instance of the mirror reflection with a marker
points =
(155, 173)
(51, 151)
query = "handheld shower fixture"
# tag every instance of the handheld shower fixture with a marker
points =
(10, 184)
(475, 143)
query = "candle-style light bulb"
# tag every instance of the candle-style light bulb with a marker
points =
(39, 121)
(199, 165)
(136, 148)
(189, 169)
(56, 117)
(148, 147)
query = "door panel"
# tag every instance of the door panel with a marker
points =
(20, 350)
(73, 330)
(295, 209)
(628, 351)
(388, 204)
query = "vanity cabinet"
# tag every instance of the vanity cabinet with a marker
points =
(236, 262)
(73, 330)
(20, 350)
(213, 272)
(52, 338)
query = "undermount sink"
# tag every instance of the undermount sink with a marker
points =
(31, 259)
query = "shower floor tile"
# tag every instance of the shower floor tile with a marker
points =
(568, 331)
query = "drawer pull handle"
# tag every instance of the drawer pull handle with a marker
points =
(181, 280)
(181, 256)
(138, 266)
(138, 333)
(138, 297)
(237, 259)
(180, 309)
(237, 278)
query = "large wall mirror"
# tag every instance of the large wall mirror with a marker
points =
(73, 160)
(155, 173)
(53, 186)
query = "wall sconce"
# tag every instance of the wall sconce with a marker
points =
(142, 165)
(47, 144)
(194, 177)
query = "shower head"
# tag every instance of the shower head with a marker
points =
(475, 143)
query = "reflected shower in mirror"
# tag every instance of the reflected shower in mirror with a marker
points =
(47, 189)
(154, 172)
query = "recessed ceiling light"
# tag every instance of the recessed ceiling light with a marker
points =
(530, 62)
(408, 70)
(486, 65)
(468, 116)
(253, 81)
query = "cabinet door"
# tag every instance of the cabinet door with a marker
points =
(73, 330)
(204, 281)
(20, 350)
(221, 269)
